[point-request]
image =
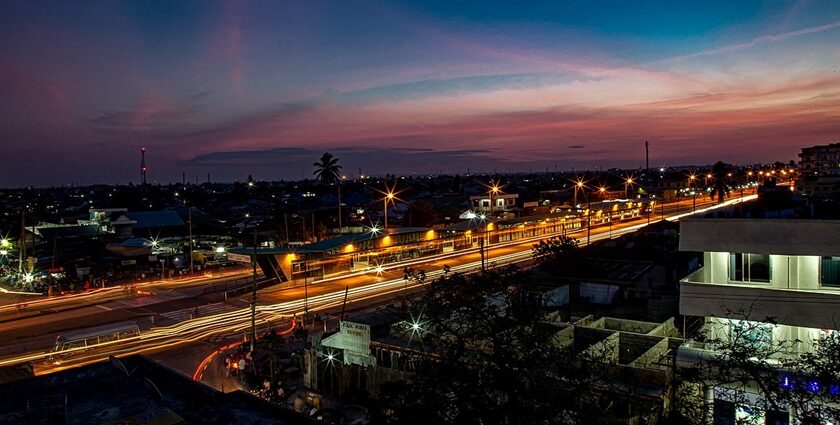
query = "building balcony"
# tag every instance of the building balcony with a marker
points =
(812, 308)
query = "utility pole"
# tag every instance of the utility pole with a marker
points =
(143, 166)
(189, 219)
(588, 220)
(344, 304)
(254, 294)
(286, 222)
(481, 248)
(22, 241)
(305, 292)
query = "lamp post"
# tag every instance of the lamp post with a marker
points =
(601, 190)
(494, 189)
(578, 186)
(305, 292)
(189, 212)
(254, 293)
(481, 241)
(628, 183)
(691, 179)
(749, 175)
(389, 197)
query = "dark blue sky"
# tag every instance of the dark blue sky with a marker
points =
(236, 88)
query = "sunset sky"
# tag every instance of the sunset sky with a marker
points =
(236, 88)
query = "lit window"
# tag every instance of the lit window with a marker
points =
(750, 334)
(830, 271)
(749, 267)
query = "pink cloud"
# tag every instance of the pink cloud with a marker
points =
(28, 99)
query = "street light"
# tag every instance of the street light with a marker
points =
(579, 185)
(691, 178)
(254, 292)
(601, 190)
(389, 196)
(494, 189)
(628, 183)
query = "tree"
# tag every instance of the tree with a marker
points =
(327, 172)
(720, 175)
(491, 361)
(562, 254)
(754, 371)
(421, 213)
(553, 249)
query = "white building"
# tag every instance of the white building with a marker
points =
(501, 202)
(784, 271)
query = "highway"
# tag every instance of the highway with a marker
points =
(185, 316)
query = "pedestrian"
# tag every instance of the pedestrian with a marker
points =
(242, 364)
(227, 367)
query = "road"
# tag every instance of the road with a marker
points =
(191, 322)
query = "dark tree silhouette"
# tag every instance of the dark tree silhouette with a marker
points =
(494, 361)
(720, 185)
(765, 374)
(327, 171)
(421, 213)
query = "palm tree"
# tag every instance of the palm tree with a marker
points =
(328, 172)
(720, 188)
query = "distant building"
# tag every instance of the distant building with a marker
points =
(820, 186)
(149, 223)
(502, 202)
(821, 160)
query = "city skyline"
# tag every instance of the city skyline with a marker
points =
(232, 89)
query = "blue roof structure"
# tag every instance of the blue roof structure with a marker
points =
(155, 219)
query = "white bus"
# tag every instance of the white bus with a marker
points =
(78, 340)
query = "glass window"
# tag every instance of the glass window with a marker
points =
(751, 334)
(749, 267)
(830, 271)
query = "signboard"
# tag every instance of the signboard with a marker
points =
(239, 257)
(356, 342)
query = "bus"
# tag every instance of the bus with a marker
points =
(70, 342)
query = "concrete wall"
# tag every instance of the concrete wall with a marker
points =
(790, 237)
(815, 309)
(654, 358)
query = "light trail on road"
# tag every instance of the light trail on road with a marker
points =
(239, 321)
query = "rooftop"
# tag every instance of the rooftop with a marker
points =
(149, 393)
(764, 236)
